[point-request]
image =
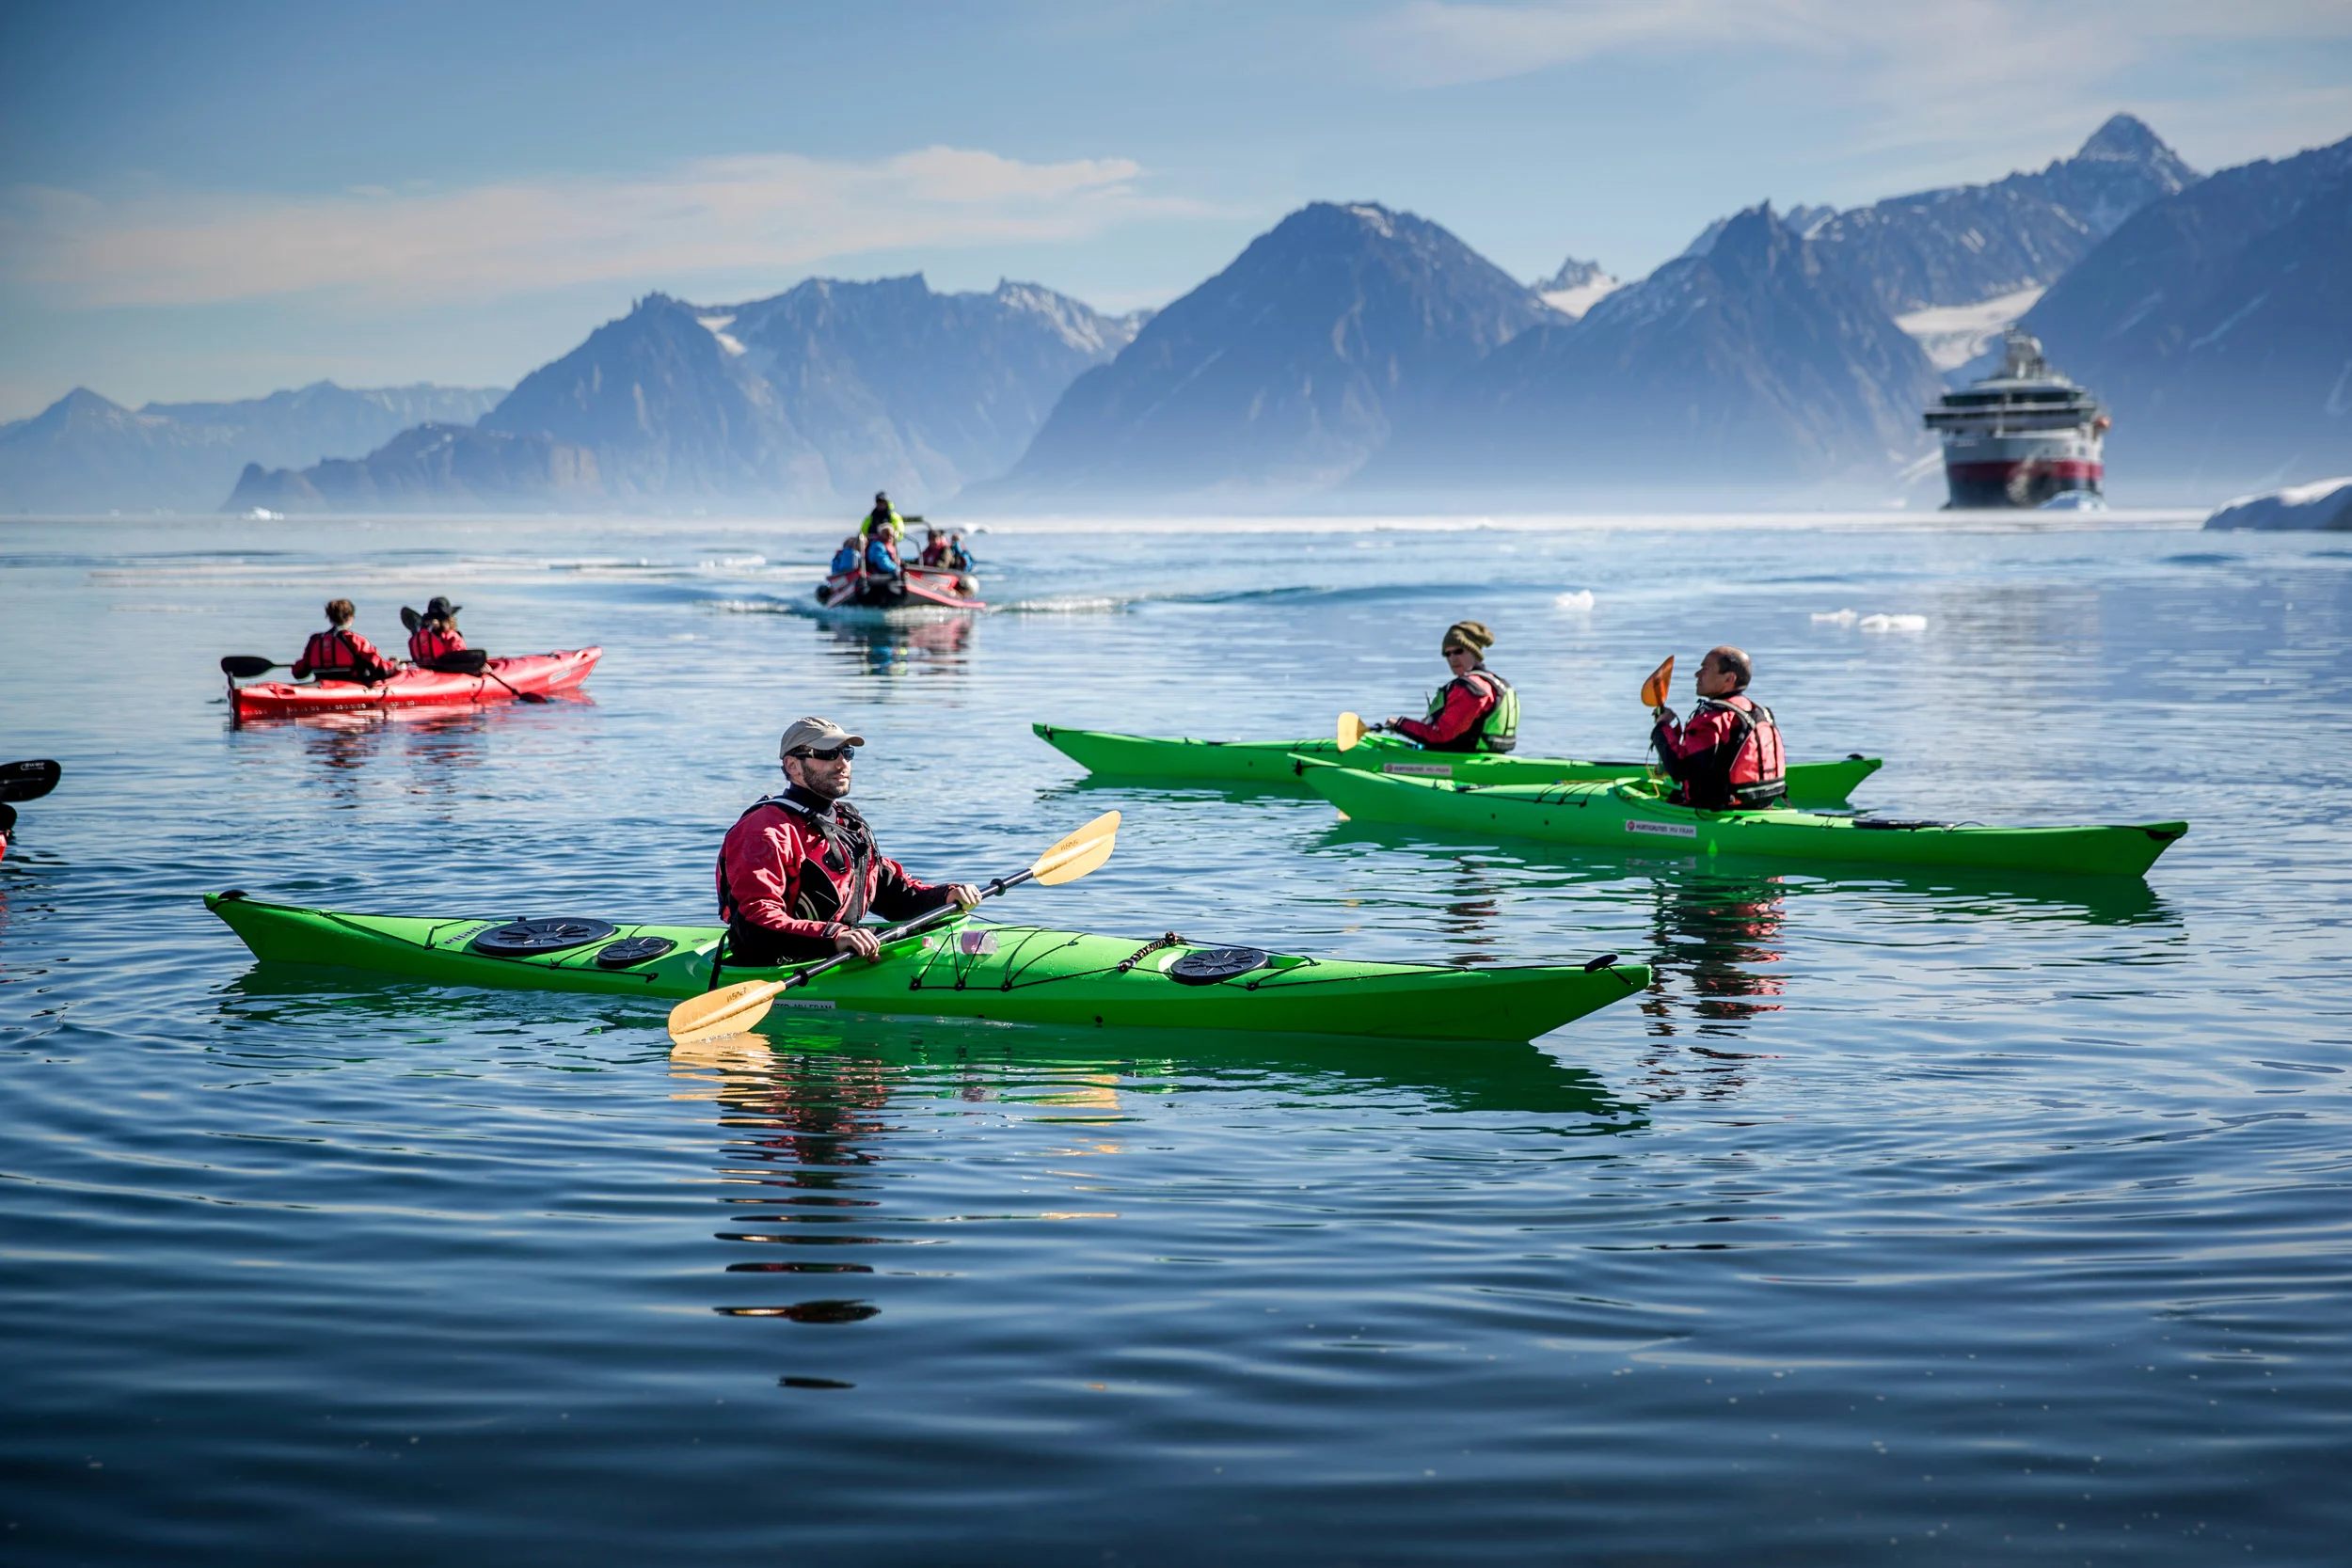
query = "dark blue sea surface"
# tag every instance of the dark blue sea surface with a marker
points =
(1942, 1218)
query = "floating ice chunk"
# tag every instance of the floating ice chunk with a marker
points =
(1893, 623)
(1578, 599)
(1833, 617)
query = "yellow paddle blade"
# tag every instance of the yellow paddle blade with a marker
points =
(1352, 729)
(1660, 684)
(1081, 853)
(728, 1010)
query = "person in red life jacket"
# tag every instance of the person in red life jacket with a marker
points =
(1476, 710)
(340, 653)
(799, 872)
(934, 548)
(1726, 757)
(436, 634)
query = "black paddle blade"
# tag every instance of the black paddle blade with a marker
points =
(28, 781)
(244, 666)
(410, 618)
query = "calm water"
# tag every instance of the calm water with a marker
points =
(1931, 1219)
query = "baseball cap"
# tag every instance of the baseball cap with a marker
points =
(815, 735)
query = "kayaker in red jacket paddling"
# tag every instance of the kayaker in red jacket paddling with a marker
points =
(1726, 757)
(1476, 710)
(340, 653)
(800, 872)
(436, 633)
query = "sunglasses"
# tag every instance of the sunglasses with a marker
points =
(831, 753)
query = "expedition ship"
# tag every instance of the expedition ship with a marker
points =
(2025, 435)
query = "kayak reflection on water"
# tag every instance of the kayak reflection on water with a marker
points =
(1720, 934)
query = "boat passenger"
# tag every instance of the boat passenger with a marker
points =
(934, 548)
(884, 516)
(799, 872)
(1726, 757)
(959, 554)
(340, 653)
(1476, 710)
(882, 553)
(436, 634)
(846, 558)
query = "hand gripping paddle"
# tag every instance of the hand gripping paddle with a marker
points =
(732, 1009)
(1660, 684)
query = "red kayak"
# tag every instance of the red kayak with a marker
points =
(538, 673)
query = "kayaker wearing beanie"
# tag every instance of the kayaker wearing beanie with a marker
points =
(1476, 710)
(340, 653)
(436, 633)
(1728, 755)
(799, 871)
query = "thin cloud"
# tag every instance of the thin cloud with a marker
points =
(773, 211)
(1931, 70)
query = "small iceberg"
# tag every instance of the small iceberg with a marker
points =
(1870, 623)
(2327, 505)
(1579, 600)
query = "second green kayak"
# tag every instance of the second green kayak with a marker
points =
(1270, 761)
(1630, 816)
(965, 969)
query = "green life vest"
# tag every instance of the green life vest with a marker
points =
(1500, 730)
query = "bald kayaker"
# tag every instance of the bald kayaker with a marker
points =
(340, 653)
(1726, 757)
(1476, 710)
(800, 872)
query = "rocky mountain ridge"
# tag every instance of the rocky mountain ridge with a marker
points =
(87, 453)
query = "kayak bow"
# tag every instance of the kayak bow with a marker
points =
(965, 969)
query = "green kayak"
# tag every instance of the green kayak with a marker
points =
(1631, 815)
(1271, 762)
(965, 969)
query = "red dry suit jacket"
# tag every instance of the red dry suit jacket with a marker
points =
(429, 643)
(340, 653)
(1467, 700)
(789, 879)
(1726, 757)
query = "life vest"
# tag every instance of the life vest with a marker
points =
(1498, 731)
(881, 557)
(848, 850)
(1749, 771)
(879, 520)
(333, 655)
(429, 642)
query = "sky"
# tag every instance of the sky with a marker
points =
(214, 200)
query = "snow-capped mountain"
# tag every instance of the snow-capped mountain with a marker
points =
(2216, 326)
(1288, 369)
(1576, 287)
(1966, 243)
(1753, 363)
(87, 453)
(815, 397)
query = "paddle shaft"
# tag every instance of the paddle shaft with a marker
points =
(919, 924)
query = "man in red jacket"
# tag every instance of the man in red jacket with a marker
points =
(799, 872)
(1728, 755)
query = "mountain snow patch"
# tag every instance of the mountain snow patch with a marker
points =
(1952, 335)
